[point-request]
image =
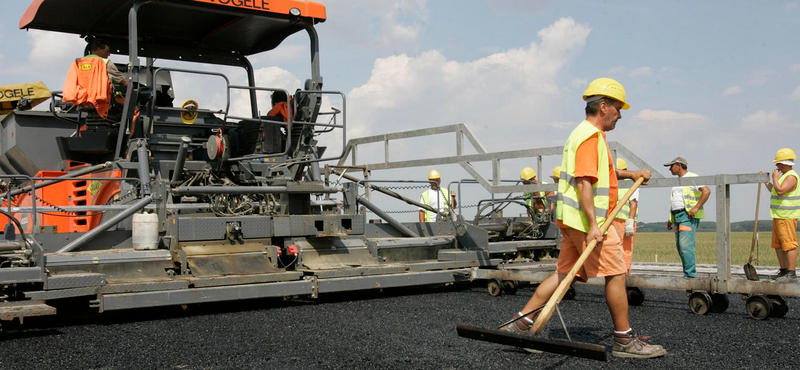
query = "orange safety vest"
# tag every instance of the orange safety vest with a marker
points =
(280, 109)
(87, 83)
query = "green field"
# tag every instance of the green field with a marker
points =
(660, 247)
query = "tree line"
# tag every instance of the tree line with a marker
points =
(763, 225)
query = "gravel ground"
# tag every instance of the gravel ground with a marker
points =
(399, 329)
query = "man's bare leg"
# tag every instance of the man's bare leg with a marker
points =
(543, 293)
(617, 301)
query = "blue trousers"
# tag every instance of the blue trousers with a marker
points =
(685, 229)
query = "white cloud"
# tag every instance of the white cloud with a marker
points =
(562, 124)
(733, 90)
(51, 49)
(668, 116)
(641, 71)
(580, 83)
(384, 23)
(796, 94)
(762, 119)
(429, 89)
(794, 68)
(792, 6)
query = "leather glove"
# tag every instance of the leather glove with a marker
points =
(629, 227)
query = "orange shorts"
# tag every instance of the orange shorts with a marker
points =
(784, 234)
(606, 259)
(627, 242)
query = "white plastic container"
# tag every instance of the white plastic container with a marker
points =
(145, 231)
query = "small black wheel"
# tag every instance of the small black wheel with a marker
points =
(700, 303)
(510, 287)
(779, 306)
(719, 302)
(758, 307)
(635, 296)
(494, 287)
(570, 294)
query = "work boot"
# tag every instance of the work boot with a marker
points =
(780, 274)
(630, 345)
(521, 326)
(788, 277)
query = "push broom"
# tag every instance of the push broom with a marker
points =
(569, 348)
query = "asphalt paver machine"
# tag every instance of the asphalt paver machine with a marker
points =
(161, 203)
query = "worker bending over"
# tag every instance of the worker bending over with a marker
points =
(686, 211)
(436, 198)
(784, 207)
(588, 192)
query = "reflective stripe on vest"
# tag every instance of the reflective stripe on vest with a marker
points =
(787, 205)
(690, 199)
(431, 216)
(625, 212)
(568, 209)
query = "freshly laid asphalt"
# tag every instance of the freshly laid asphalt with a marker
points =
(394, 329)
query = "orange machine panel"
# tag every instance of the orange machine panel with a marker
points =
(68, 193)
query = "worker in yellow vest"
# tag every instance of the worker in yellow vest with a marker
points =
(784, 207)
(686, 211)
(528, 177)
(587, 188)
(436, 198)
(629, 214)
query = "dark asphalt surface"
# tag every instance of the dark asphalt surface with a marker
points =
(398, 329)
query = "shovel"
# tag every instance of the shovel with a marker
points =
(749, 270)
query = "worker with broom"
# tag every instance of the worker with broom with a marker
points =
(588, 189)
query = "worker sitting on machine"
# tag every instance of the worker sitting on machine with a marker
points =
(89, 80)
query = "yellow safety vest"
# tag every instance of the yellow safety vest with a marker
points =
(787, 205)
(529, 197)
(625, 212)
(431, 216)
(690, 199)
(568, 208)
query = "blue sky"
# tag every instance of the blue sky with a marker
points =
(717, 82)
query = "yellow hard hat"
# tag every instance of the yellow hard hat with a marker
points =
(784, 154)
(434, 175)
(606, 87)
(527, 173)
(621, 164)
(556, 172)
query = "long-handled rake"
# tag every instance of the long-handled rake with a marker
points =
(569, 348)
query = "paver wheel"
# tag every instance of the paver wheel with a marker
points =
(635, 296)
(758, 307)
(494, 287)
(700, 303)
(510, 287)
(779, 306)
(719, 302)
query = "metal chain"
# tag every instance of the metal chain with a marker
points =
(417, 210)
(50, 204)
(400, 187)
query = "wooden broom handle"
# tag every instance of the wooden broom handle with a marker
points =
(561, 290)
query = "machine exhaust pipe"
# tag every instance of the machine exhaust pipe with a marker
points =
(181, 160)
